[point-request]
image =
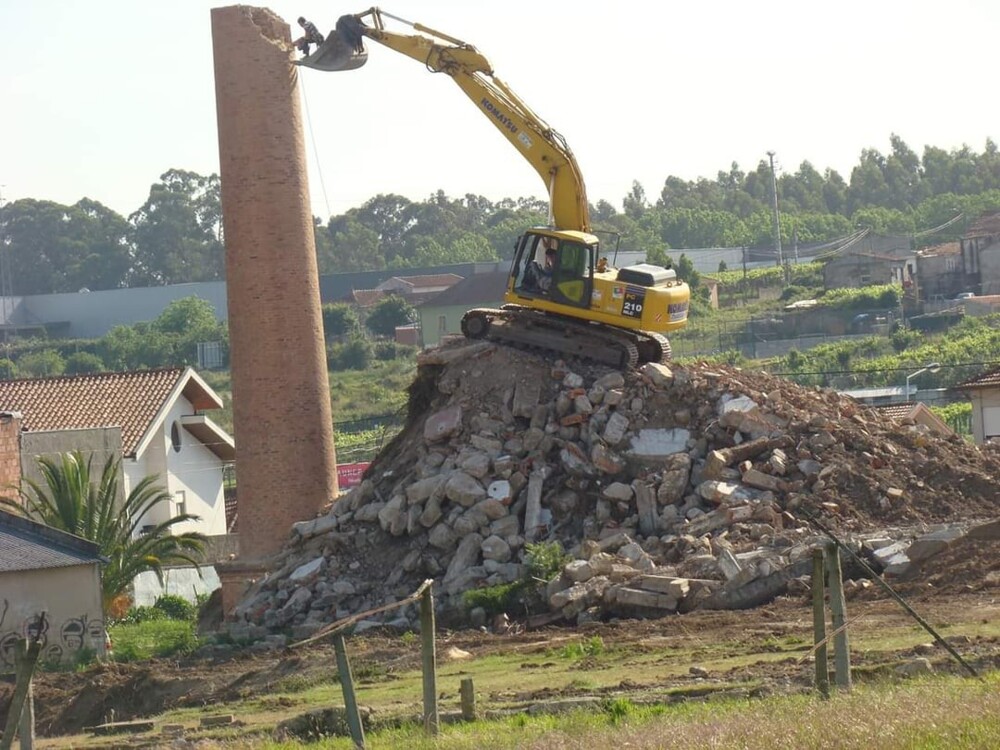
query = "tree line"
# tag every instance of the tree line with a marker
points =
(176, 235)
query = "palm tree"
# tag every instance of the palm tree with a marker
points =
(69, 500)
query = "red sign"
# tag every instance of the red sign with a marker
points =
(349, 475)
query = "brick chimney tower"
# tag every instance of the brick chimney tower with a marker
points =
(285, 463)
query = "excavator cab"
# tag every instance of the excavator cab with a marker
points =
(553, 265)
(343, 49)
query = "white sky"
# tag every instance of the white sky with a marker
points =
(99, 99)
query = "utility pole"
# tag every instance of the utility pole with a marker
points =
(774, 205)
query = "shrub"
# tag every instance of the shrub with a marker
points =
(545, 560)
(494, 599)
(83, 362)
(356, 354)
(8, 369)
(175, 607)
(42, 364)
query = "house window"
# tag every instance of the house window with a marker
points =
(442, 324)
(865, 279)
(180, 503)
(175, 437)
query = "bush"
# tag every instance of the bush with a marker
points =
(8, 369)
(42, 364)
(175, 607)
(356, 354)
(81, 363)
(136, 615)
(904, 339)
(545, 560)
(494, 599)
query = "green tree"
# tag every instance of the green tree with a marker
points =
(387, 314)
(42, 364)
(339, 319)
(57, 248)
(80, 363)
(177, 231)
(70, 498)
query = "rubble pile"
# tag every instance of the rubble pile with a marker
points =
(671, 487)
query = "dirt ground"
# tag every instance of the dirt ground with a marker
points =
(66, 703)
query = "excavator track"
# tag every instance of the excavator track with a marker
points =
(521, 326)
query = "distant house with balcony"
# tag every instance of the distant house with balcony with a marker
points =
(416, 290)
(443, 315)
(984, 393)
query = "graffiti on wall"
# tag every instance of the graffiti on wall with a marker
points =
(59, 641)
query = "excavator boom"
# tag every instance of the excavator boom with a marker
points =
(560, 294)
(544, 148)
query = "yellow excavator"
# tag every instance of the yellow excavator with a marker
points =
(561, 295)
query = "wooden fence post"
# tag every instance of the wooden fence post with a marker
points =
(838, 609)
(27, 659)
(819, 623)
(350, 699)
(429, 661)
(468, 699)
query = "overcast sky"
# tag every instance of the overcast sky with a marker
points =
(99, 99)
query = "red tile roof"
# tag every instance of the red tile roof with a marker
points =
(917, 411)
(129, 400)
(986, 225)
(443, 280)
(947, 248)
(990, 379)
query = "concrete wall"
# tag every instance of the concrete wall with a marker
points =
(97, 444)
(93, 314)
(183, 582)
(71, 599)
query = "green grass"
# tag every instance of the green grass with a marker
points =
(928, 714)
(153, 638)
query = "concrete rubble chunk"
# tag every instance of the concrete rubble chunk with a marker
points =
(315, 527)
(533, 508)
(464, 489)
(575, 461)
(495, 548)
(611, 380)
(491, 446)
(422, 489)
(499, 490)
(617, 491)
(659, 374)
(615, 429)
(606, 460)
(677, 588)
(728, 564)
(761, 481)
(308, 570)
(627, 596)
(526, 395)
(676, 474)
(645, 501)
(579, 571)
(933, 543)
(658, 443)
(443, 424)
(466, 556)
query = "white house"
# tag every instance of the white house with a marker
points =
(164, 432)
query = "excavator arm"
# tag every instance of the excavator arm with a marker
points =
(544, 148)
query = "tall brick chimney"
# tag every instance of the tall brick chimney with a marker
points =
(285, 463)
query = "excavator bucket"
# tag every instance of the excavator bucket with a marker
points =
(342, 50)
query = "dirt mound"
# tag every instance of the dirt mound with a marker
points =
(684, 484)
